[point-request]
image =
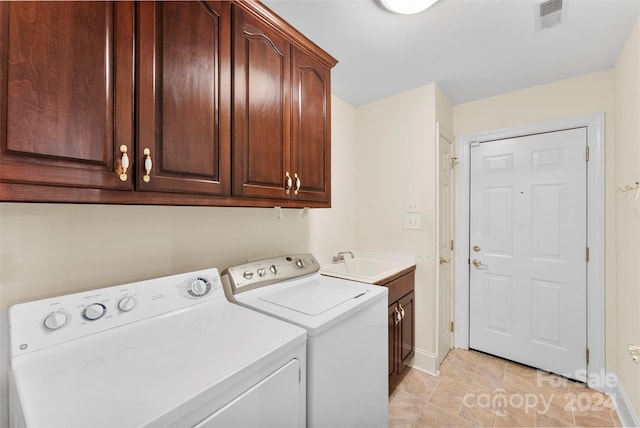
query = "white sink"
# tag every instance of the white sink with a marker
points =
(363, 269)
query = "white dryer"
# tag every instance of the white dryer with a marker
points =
(168, 352)
(346, 324)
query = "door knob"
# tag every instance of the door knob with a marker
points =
(443, 260)
(476, 248)
(476, 262)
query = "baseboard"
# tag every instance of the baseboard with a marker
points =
(425, 361)
(626, 414)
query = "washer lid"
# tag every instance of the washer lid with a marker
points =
(314, 297)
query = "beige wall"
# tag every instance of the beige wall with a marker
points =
(397, 160)
(627, 171)
(51, 249)
(578, 96)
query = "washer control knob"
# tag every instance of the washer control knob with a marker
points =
(273, 269)
(199, 287)
(94, 311)
(262, 272)
(127, 303)
(299, 263)
(55, 320)
(247, 274)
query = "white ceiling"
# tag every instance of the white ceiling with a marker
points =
(471, 48)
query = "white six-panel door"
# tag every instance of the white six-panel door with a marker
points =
(528, 244)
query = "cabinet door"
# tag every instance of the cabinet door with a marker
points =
(407, 330)
(261, 88)
(393, 343)
(66, 92)
(184, 97)
(311, 124)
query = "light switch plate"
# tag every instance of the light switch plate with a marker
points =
(413, 205)
(412, 221)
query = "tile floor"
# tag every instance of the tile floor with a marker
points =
(475, 389)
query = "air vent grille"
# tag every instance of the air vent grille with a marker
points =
(549, 7)
(548, 14)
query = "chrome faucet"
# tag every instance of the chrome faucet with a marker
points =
(340, 256)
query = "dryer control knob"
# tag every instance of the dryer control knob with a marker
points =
(262, 272)
(199, 287)
(127, 303)
(248, 274)
(94, 311)
(299, 263)
(55, 320)
(273, 269)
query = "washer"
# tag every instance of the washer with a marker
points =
(347, 334)
(164, 352)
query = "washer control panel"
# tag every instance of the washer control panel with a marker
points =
(268, 271)
(42, 323)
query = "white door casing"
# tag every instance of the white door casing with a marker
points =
(595, 231)
(528, 250)
(445, 243)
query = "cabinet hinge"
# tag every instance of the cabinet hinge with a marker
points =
(454, 162)
(587, 154)
(452, 327)
(587, 255)
(587, 356)
(452, 245)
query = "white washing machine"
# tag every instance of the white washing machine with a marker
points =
(165, 352)
(346, 324)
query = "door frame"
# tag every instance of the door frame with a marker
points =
(595, 124)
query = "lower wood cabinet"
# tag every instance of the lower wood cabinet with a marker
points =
(401, 324)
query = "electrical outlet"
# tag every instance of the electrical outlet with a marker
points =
(412, 221)
(413, 205)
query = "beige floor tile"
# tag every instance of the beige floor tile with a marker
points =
(475, 389)
(449, 395)
(433, 416)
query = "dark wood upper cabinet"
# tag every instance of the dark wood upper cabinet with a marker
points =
(183, 97)
(262, 108)
(161, 102)
(311, 124)
(66, 92)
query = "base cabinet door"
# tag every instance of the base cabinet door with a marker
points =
(407, 334)
(66, 93)
(401, 325)
(183, 97)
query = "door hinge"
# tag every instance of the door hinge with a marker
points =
(587, 356)
(587, 254)
(452, 245)
(454, 162)
(452, 327)
(587, 154)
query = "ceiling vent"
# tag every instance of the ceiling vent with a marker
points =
(548, 14)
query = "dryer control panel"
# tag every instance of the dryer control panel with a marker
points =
(263, 272)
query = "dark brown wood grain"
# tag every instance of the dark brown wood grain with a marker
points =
(67, 92)
(183, 107)
(212, 84)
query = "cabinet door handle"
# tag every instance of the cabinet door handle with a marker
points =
(298, 184)
(287, 182)
(124, 163)
(401, 311)
(148, 164)
(396, 317)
